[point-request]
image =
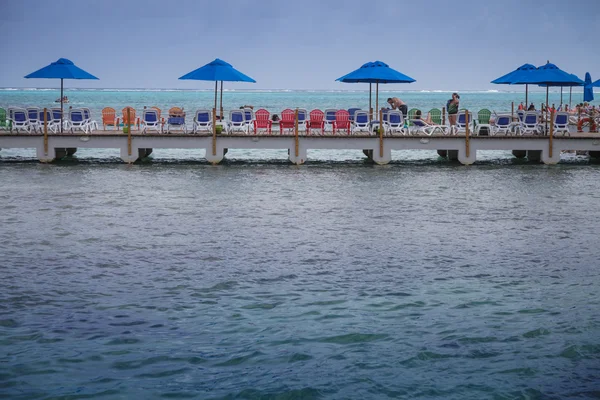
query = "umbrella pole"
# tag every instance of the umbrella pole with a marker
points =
(570, 95)
(370, 101)
(221, 100)
(526, 97)
(561, 95)
(216, 82)
(547, 87)
(61, 105)
(377, 97)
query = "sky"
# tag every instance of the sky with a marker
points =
(444, 45)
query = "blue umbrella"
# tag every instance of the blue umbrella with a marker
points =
(588, 91)
(217, 70)
(516, 75)
(596, 84)
(61, 69)
(375, 72)
(568, 84)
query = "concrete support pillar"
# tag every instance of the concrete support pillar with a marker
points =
(519, 153)
(61, 153)
(384, 158)
(463, 159)
(534, 155)
(46, 157)
(126, 157)
(301, 158)
(215, 159)
(546, 159)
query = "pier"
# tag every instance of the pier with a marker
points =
(463, 147)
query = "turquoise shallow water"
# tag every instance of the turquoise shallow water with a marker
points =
(255, 280)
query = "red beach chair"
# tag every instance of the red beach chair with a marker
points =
(316, 121)
(287, 121)
(262, 120)
(342, 121)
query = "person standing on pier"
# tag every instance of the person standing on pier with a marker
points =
(452, 108)
(398, 104)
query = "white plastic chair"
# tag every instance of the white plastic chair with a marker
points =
(421, 127)
(150, 120)
(237, 122)
(361, 122)
(33, 113)
(462, 120)
(394, 122)
(503, 125)
(531, 123)
(19, 119)
(561, 123)
(77, 120)
(202, 121)
(329, 118)
(249, 117)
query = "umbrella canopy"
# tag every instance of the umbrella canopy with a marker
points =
(512, 77)
(550, 75)
(588, 91)
(61, 69)
(217, 70)
(375, 72)
(596, 84)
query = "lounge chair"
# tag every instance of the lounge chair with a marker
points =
(262, 120)
(92, 124)
(51, 125)
(483, 121)
(151, 120)
(412, 114)
(202, 121)
(237, 122)
(462, 121)
(561, 123)
(503, 125)
(248, 118)
(33, 113)
(352, 111)
(419, 126)
(19, 119)
(316, 121)
(361, 122)
(531, 123)
(287, 121)
(394, 123)
(329, 118)
(56, 119)
(342, 122)
(176, 119)
(302, 118)
(77, 120)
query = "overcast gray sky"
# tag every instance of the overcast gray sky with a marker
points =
(445, 45)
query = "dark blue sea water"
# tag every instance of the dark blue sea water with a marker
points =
(333, 280)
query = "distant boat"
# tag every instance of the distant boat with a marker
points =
(63, 100)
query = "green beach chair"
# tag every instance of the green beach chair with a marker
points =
(483, 120)
(436, 116)
(411, 115)
(4, 124)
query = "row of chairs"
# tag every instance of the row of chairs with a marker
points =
(32, 119)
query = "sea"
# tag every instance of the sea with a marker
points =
(172, 278)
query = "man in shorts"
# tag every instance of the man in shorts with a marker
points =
(398, 104)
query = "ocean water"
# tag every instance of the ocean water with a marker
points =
(326, 281)
(257, 279)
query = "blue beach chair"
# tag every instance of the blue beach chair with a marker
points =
(202, 121)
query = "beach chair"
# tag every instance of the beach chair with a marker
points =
(133, 119)
(462, 120)
(561, 123)
(302, 118)
(19, 119)
(4, 122)
(342, 122)
(531, 123)
(77, 121)
(91, 124)
(56, 119)
(151, 120)
(436, 116)
(287, 121)
(237, 122)
(316, 121)
(202, 121)
(418, 126)
(248, 118)
(361, 122)
(33, 113)
(394, 122)
(412, 114)
(176, 120)
(49, 121)
(109, 118)
(503, 125)
(262, 120)
(329, 118)
(352, 111)
(483, 121)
